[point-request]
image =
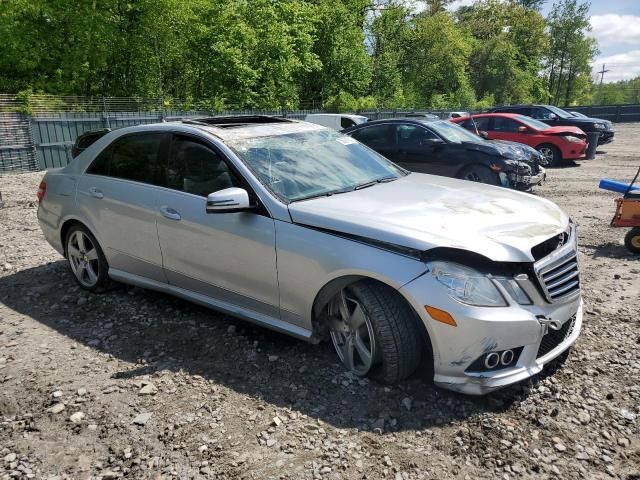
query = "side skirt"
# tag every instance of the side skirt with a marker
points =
(231, 309)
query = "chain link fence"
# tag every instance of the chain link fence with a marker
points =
(38, 131)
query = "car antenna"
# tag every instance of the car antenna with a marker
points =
(475, 125)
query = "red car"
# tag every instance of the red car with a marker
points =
(555, 144)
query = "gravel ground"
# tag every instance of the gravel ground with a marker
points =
(136, 384)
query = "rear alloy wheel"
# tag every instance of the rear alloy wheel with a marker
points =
(374, 332)
(480, 174)
(551, 156)
(632, 240)
(86, 259)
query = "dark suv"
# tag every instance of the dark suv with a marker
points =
(555, 117)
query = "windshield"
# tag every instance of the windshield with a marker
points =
(301, 165)
(559, 112)
(454, 133)
(532, 122)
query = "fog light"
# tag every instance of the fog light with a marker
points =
(491, 360)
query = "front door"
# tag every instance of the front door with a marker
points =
(230, 257)
(421, 150)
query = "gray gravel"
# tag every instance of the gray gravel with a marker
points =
(135, 384)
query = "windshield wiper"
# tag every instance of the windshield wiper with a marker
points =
(324, 194)
(375, 182)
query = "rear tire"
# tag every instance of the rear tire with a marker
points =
(86, 259)
(550, 154)
(632, 240)
(375, 332)
(480, 174)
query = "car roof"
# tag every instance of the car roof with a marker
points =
(492, 114)
(416, 120)
(519, 105)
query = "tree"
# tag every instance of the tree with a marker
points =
(571, 52)
(437, 53)
(508, 49)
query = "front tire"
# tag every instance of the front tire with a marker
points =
(480, 174)
(374, 332)
(86, 259)
(551, 155)
(632, 240)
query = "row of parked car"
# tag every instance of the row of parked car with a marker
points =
(509, 146)
(305, 230)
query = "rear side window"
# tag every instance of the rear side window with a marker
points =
(346, 122)
(375, 136)
(195, 168)
(100, 165)
(481, 123)
(137, 157)
(134, 157)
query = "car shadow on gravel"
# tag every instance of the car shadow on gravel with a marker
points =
(612, 250)
(155, 332)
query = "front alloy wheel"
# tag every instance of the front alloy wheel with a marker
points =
(375, 332)
(352, 334)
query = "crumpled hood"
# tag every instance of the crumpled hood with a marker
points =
(427, 211)
(567, 130)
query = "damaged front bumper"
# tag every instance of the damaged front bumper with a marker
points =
(534, 334)
(523, 181)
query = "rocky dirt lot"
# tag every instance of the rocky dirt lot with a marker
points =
(135, 384)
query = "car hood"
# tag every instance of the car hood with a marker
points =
(566, 130)
(423, 212)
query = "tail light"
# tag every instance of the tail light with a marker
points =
(42, 189)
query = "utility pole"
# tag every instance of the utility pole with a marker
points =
(602, 72)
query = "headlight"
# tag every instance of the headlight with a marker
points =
(571, 138)
(599, 126)
(513, 289)
(467, 285)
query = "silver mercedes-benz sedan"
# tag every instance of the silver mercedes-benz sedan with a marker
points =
(304, 230)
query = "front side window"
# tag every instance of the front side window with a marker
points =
(137, 157)
(502, 124)
(453, 132)
(413, 136)
(195, 168)
(301, 165)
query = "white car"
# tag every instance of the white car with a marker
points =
(305, 230)
(336, 121)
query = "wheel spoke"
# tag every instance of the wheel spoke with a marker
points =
(92, 254)
(343, 308)
(73, 251)
(80, 241)
(348, 352)
(363, 351)
(357, 318)
(91, 274)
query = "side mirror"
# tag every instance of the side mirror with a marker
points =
(228, 200)
(553, 116)
(483, 134)
(433, 142)
(522, 129)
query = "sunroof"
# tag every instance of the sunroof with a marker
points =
(236, 121)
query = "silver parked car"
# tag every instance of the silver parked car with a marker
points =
(304, 230)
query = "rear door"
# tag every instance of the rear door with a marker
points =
(230, 257)
(118, 197)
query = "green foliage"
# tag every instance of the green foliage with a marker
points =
(570, 53)
(264, 54)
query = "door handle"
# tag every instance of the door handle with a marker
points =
(96, 193)
(170, 213)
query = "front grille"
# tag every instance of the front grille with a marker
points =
(561, 279)
(555, 337)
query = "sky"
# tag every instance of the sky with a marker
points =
(616, 26)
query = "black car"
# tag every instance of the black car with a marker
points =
(554, 116)
(442, 148)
